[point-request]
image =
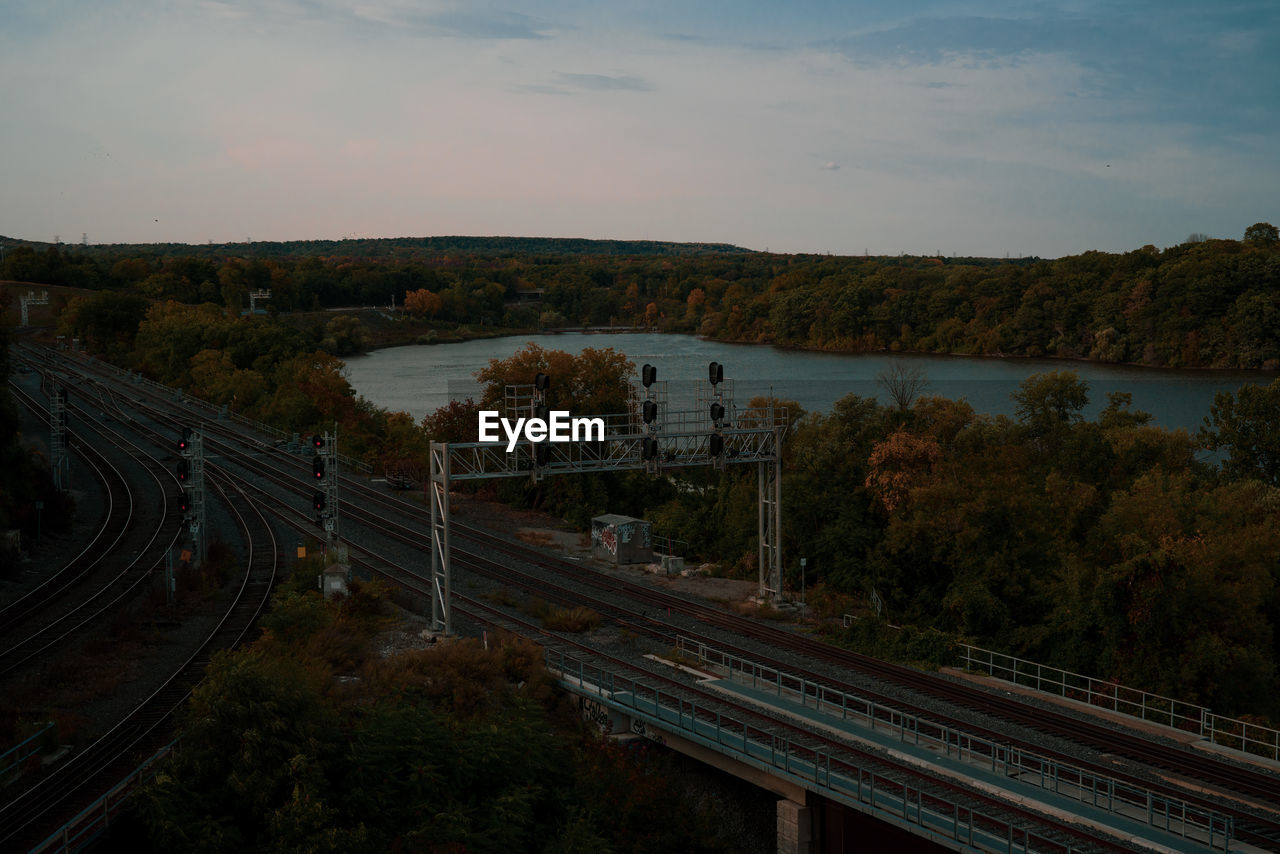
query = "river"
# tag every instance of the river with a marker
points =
(419, 379)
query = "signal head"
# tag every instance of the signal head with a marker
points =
(183, 470)
(715, 372)
(649, 411)
(317, 501)
(649, 375)
(717, 411)
(542, 382)
(317, 441)
(317, 467)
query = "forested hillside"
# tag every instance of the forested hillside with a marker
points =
(1207, 303)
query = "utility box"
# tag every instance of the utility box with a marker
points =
(621, 539)
(334, 580)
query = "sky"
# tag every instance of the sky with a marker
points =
(908, 126)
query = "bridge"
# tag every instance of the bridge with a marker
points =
(845, 768)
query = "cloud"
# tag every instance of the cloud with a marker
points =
(606, 83)
(496, 25)
(537, 89)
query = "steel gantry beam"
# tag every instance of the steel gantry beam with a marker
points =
(747, 436)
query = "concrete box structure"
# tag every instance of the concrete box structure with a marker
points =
(621, 539)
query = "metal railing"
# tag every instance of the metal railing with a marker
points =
(12, 759)
(1231, 733)
(846, 781)
(93, 820)
(1100, 791)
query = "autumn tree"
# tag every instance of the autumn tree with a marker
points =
(423, 302)
(595, 382)
(898, 463)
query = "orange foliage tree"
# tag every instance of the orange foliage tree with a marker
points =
(423, 301)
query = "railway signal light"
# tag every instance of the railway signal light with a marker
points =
(542, 382)
(716, 444)
(317, 467)
(715, 372)
(317, 441)
(317, 501)
(650, 411)
(717, 412)
(649, 448)
(648, 375)
(184, 441)
(183, 470)
(184, 503)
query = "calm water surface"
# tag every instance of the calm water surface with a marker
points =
(420, 379)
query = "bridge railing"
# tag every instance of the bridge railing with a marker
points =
(1099, 791)
(1228, 732)
(92, 821)
(11, 760)
(843, 780)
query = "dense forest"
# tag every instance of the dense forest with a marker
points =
(1203, 303)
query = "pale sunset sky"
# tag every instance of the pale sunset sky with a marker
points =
(973, 128)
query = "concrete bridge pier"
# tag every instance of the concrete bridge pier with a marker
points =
(795, 827)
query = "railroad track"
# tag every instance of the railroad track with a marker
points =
(28, 818)
(107, 573)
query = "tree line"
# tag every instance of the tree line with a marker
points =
(1203, 303)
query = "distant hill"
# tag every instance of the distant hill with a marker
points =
(405, 248)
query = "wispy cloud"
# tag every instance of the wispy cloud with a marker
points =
(605, 82)
(495, 25)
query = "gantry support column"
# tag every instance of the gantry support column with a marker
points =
(770, 525)
(199, 523)
(59, 462)
(441, 605)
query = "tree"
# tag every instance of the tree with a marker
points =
(423, 301)
(1046, 402)
(1247, 425)
(595, 382)
(1263, 233)
(898, 463)
(902, 383)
